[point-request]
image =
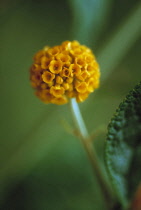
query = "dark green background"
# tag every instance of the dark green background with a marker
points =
(42, 166)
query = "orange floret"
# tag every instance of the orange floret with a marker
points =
(47, 77)
(55, 66)
(75, 69)
(57, 91)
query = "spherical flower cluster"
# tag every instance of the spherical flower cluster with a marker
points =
(65, 71)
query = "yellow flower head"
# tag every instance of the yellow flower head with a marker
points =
(65, 71)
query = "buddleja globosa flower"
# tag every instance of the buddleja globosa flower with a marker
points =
(65, 71)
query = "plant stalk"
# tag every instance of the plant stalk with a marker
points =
(88, 146)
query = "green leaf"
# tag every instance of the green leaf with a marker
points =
(123, 147)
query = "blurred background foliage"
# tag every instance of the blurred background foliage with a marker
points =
(43, 166)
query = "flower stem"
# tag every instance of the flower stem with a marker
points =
(88, 146)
